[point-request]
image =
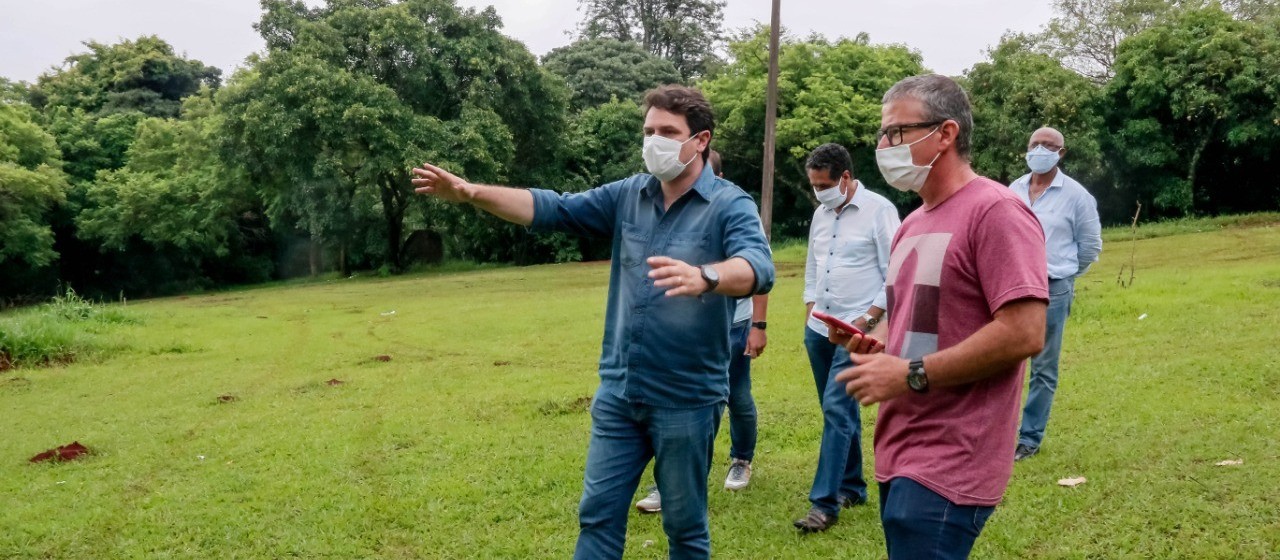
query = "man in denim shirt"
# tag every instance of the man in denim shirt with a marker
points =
(677, 231)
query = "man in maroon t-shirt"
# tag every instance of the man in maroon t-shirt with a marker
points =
(967, 293)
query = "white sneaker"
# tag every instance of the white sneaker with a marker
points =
(739, 475)
(651, 503)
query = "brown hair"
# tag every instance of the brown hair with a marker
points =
(714, 160)
(687, 102)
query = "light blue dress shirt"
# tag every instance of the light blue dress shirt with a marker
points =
(1069, 216)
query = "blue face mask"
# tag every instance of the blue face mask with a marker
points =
(1041, 159)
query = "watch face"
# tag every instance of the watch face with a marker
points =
(915, 380)
(710, 272)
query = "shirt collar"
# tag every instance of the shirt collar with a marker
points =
(859, 197)
(704, 185)
(1057, 179)
(1024, 182)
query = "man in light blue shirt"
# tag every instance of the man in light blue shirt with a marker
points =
(677, 231)
(1073, 240)
(849, 240)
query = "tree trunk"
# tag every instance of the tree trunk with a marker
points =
(394, 204)
(1193, 166)
(313, 256)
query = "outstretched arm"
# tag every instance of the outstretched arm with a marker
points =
(512, 205)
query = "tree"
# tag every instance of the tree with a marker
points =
(598, 70)
(686, 32)
(1086, 33)
(142, 75)
(1193, 111)
(178, 204)
(93, 105)
(351, 94)
(827, 91)
(1019, 90)
(32, 184)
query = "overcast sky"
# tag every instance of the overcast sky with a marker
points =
(951, 34)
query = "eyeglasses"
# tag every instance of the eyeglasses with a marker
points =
(894, 133)
(1046, 145)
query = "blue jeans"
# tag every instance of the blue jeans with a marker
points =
(1044, 366)
(840, 453)
(742, 407)
(624, 436)
(921, 524)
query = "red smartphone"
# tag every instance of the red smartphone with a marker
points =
(837, 323)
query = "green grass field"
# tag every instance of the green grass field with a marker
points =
(469, 442)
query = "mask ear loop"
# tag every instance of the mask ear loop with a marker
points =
(935, 158)
(695, 155)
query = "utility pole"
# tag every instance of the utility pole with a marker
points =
(770, 124)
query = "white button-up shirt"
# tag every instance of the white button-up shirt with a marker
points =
(848, 259)
(1069, 216)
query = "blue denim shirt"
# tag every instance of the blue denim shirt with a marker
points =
(657, 350)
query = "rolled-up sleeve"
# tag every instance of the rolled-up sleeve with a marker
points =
(744, 238)
(590, 213)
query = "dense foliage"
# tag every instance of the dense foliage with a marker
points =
(133, 170)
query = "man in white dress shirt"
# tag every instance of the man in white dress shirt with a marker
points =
(845, 272)
(1073, 240)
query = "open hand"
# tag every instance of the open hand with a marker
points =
(432, 180)
(682, 278)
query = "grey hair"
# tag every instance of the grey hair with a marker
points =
(943, 99)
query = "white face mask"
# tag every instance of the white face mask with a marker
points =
(900, 170)
(833, 197)
(1041, 159)
(662, 156)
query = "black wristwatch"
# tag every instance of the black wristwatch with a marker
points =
(711, 276)
(759, 325)
(916, 378)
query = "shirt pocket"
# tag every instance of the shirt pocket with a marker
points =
(853, 252)
(690, 247)
(633, 245)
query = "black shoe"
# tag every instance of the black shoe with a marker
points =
(815, 521)
(1023, 451)
(847, 502)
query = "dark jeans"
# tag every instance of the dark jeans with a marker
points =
(624, 436)
(839, 470)
(742, 407)
(919, 523)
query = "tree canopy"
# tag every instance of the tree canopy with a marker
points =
(130, 169)
(686, 32)
(827, 91)
(598, 70)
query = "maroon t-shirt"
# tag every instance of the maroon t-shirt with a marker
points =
(950, 269)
